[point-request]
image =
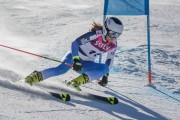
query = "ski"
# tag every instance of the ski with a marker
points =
(62, 96)
(110, 100)
(66, 91)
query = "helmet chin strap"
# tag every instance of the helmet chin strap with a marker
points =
(104, 38)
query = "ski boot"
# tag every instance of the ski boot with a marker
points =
(104, 81)
(75, 83)
(33, 78)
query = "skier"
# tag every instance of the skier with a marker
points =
(84, 50)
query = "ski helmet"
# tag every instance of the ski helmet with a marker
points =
(113, 27)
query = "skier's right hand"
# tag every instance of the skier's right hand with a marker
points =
(77, 66)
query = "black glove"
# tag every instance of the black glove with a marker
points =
(104, 81)
(77, 66)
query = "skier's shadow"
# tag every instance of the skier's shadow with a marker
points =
(133, 111)
(123, 109)
(126, 107)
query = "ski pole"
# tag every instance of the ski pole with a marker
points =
(36, 55)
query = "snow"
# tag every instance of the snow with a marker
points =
(48, 27)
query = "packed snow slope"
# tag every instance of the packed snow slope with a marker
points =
(48, 27)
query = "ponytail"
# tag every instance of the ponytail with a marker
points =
(96, 26)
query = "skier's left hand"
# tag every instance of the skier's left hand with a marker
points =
(104, 81)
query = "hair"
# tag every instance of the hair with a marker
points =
(96, 26)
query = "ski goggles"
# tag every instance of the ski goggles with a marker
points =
(113, 34)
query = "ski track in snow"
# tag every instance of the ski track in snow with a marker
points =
(48, 28)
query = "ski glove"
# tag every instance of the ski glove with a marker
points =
(77, 66)
(104, 81)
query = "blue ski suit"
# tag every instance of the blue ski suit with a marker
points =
(88, 47)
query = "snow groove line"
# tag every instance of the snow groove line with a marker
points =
(160, 91)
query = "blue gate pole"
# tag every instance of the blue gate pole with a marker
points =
(104, 17)
(149, 50)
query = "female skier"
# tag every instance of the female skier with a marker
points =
(84, 50)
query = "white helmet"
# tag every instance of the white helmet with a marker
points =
(113, 27)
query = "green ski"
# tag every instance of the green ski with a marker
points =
(63, 96)
(111, 100)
